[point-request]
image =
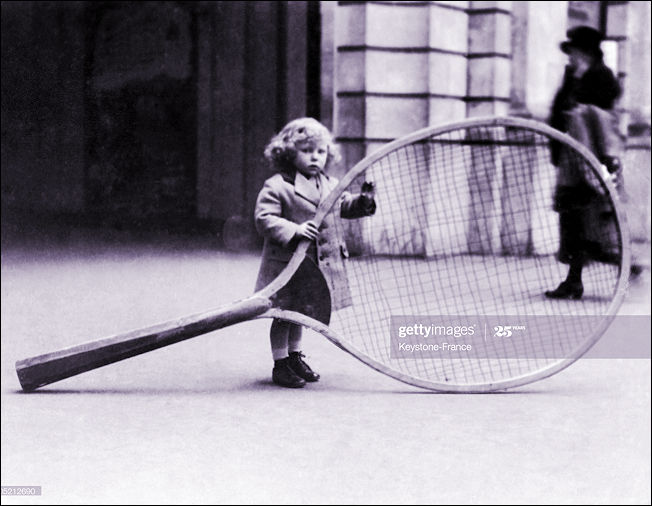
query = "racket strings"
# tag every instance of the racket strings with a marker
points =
(466, 225)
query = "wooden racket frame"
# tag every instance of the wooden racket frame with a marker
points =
(41, 370)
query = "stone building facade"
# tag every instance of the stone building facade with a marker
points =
(156, 113)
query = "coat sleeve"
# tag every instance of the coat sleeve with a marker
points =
(356, 206)
(268, 216)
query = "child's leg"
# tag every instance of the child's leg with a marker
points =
(278, 336)
(294, 338)
(283, 374)
(285, 338)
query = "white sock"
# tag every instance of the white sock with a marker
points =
(279, 354)
(294, 339)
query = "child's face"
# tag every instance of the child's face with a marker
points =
(311, 157)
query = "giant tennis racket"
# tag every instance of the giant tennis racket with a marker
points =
(460, 251)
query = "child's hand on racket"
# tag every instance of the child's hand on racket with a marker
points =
(308, 229)
(368, 190)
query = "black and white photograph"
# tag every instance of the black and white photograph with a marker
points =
(326, 252)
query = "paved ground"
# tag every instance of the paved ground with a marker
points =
(200, 422)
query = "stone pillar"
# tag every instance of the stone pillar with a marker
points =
(537, 72)
(399, 67)
(489, 55)
(628, 31)
(637, 54)
(349, 81)
(532, 40)
(537, 63)
(584, 13)
(447, 62)
(381, 83)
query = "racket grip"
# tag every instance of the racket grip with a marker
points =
(42, 370)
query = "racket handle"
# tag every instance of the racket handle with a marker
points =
(42, 370)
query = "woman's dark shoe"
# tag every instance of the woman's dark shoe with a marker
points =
(302, 369)
(567, 290)
(635, 271)
(283, 375)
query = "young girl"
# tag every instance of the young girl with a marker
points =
(285, 208)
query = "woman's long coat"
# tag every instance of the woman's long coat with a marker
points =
(582, 108)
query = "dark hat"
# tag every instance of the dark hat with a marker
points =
(584, 38)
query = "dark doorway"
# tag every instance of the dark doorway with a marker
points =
(258, 67)
(141, 120)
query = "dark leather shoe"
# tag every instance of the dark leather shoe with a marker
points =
(567, 290)
(302, 369)
(283, 375)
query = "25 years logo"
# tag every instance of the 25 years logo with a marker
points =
(506, 330)
(502, 331)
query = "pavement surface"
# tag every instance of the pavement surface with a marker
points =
(201, 422)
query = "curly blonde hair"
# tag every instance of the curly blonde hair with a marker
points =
(282, 149)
